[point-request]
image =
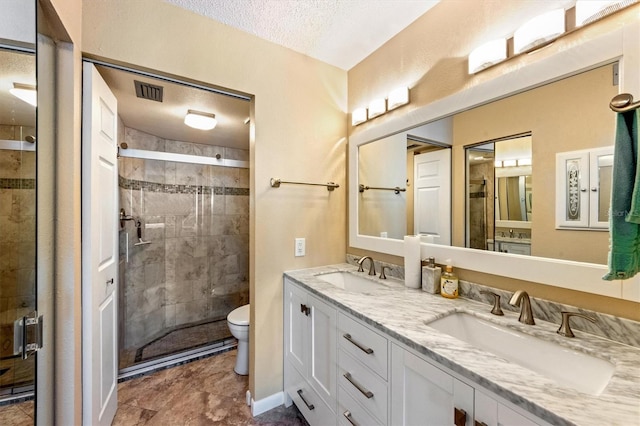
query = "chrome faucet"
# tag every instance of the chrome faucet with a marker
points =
(372, 266)
(521, 298)
(565, 327)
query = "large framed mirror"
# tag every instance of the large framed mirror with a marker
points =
(540, 256)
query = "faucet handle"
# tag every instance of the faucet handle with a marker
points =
(565, 326)
(383, 276)
(496, 310)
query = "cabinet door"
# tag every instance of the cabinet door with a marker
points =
(490, 412)
(600, 186)
(296, 327)
(322, 350)
(422, 394)
(515, 248)
(572, 189)
(507, 417)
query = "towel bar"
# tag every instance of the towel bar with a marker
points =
(275, 183)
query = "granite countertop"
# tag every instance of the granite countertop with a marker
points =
(402, 313)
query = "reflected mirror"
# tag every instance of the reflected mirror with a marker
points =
(404, 184)
(499, 195)
(498, 204)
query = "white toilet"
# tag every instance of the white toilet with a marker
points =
(238, 321)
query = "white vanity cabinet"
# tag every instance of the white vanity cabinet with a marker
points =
(489, 412)
(339, 370)
(516, 248)
(363, 396)
(422, 394)
(310, 355)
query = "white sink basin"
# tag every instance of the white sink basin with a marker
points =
(577, 370)
(349, 281)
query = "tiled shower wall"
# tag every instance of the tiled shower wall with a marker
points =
(196, 218)
(17, 251)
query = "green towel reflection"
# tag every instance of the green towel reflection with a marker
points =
(624, 220)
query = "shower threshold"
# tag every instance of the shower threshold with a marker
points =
(156, 364)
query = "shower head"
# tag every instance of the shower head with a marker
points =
(30, 138)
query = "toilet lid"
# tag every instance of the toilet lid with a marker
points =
(239, 316)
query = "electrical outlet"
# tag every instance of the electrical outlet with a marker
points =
(300, 247)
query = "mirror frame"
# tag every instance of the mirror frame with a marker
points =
(621, 44)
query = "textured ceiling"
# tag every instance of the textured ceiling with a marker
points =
(338, 32)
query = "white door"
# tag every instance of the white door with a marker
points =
(432, 195)
(99, 250)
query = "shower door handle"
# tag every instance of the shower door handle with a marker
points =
(22, 335)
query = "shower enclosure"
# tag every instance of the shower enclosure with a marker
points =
(480, 197)
(184, 244)
(17, 221)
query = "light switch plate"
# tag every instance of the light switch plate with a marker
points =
(300, 247)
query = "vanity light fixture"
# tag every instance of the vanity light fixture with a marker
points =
(25, 92)
(377, 107)
(509, 163)
(358, 116)
(588, 11)
(200, 120)
(539, 30)
(488, 54)
(398, 97)
(497, 163)
(524, 162)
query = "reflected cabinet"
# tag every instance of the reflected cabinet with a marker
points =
(583, 188)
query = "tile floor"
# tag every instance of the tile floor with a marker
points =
(204, 392)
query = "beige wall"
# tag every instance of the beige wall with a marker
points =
(556, 125)
(430, 58)
(299, 114)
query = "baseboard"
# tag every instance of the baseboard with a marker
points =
(266, 404)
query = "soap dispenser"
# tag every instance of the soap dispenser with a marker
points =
(449, 283)
(431, 275)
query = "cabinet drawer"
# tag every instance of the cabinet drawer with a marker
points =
(363, 385)
(351, 413)
(364, 344)
(312, 407)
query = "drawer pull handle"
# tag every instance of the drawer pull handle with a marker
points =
(358, 345)
(347, 415)
(358, 386)
(309, 406)
(479, 423)
(305, 309)
(459, 417)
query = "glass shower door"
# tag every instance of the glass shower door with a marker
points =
(17, 221)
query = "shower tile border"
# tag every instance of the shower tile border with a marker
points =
(11, 183)
(125, 183)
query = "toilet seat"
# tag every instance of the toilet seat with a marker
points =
(239, 316)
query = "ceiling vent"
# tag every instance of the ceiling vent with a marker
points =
(148, 91)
